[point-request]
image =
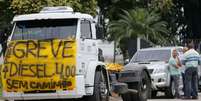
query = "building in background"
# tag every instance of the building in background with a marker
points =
(135, 44)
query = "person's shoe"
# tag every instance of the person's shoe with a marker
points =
(178, 97)
(186, 98)
(195, 97)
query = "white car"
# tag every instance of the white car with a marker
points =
(156, 60)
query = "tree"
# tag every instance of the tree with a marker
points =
(5, 18)
(34, 6)
(193, 18)
(6, 15)
(112, 8)
(184, 19)
(169, 10)
(139, 22)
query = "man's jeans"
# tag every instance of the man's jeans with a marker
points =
(191, 82)
(183, 81)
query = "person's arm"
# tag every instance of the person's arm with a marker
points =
(179, 62)
(173, 63)
(199, 60)
(176, 65)
(184, 59)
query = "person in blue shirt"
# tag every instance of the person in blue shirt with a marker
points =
(191, 61)
(182, 69)
(174, 65)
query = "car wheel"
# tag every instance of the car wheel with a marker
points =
(101, 91)
(170, 92)
(143, 87)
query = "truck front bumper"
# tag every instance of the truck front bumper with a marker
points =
(78, 92)
(122, 88)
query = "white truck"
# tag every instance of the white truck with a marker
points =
(55, 54)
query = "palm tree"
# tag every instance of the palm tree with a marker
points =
(139, 23)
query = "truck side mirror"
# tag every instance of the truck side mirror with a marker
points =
(99, 32)
(127, 61)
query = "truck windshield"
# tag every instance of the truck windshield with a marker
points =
(151, 55)
(45, 29)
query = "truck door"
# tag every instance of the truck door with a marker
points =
(88, 45)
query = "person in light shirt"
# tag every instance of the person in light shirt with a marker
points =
(174, 65)
(182, 69)
(191, 61)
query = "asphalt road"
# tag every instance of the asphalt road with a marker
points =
(160, 97)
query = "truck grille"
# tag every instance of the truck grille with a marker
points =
(128, 75)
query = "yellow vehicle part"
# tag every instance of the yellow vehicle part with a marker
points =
(32, 65)
(114, 67)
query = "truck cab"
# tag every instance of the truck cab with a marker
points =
(53, 54)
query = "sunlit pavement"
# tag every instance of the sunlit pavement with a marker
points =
(160, 97)
(163, 98)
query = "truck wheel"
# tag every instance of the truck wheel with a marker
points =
(101, 91)
(153, 94)
(127, 97)
(143, 87)
(170, 91)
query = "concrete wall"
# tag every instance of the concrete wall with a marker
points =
(108, 52)
(133, 46)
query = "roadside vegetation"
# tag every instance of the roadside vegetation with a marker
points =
(162, 22)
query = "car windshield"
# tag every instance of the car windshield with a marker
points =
(151, 55)
(45, 29)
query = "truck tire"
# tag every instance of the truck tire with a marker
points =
(101, 91)
(153, 94)
(143, 87)
(127, 97)
(170, 91)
